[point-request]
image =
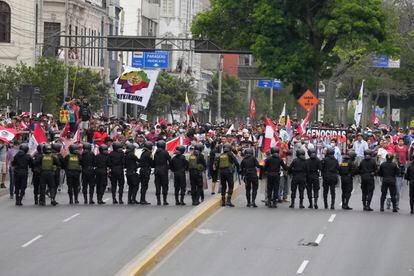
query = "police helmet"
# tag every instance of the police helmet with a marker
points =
(312, 153)
(47, 148)
(73, 148)
(289, 152)
(226, 147)
(130, 147)
(248, 152)
(199, 147)
(116, 145)
(330, 152)
(24, 147)
(367, 154)
(103, 148)
(148, 145)
(161, 144)
(389, 157)
(180, 150)
(300, 152)
(274, 150)
(39, 148)
(56, 147)
(87, 147)
(352, 154)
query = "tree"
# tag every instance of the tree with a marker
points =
(169, 94)
(297, 41)
(232, 97)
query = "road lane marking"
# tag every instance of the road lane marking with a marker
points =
(32, 241)
(106, 199)
(302, 267)
(70, 218)
(332, 218)
(319, 238)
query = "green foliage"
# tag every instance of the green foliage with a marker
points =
(49, 74)
(232, 98)
(298, 41)
(169, 94)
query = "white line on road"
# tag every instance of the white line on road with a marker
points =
(71, 217)
(319, 238)
(332, 217)
(302, 267)
(32, 241)
(106, 199)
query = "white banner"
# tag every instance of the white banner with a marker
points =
(135, 86)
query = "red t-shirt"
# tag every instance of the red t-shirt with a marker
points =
(99, 138)
(402, 153)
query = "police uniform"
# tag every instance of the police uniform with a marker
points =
(101, 172)
(330, 170)
(196, 166)
(87, 162)
(145, 164)
(116, 164)
(21, 163)
(389, 172)
(312, 179)
(131, 165)
(272, 170)
(367, 170)
(178, 166)
(36, 169)
(298, 169)
(346, 171)
(49, 162)
(225, 163)
(57, 147)
(73, 171)
(248, 168)
(409, 175)
(161, 165)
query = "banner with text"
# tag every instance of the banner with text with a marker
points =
(135, 86)
(327, 133)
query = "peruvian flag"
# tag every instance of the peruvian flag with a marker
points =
(375, 120)
(38, 136)
(76, 137)
(173, 144)
(7, 134)
(304, 124)
(162, 121)
(252, 109)
(271, 137)
(65, 131)
(289, 129)
(23, 125)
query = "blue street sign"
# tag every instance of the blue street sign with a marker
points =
(385, 62)
(153, 60)
(277, 84)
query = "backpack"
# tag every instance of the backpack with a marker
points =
(84, 112)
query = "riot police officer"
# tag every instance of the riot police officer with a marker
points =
(248, 168)
(312, 179)
(226, 162)
(330, 169)
(101, 172)
(409, 176)
(145, 164)
(367, 170)
(178, 166)
(196, 167)
(21, 164)
(116, 165)
(299, 170)
(161, 165)
(272, 170)
(73, 171)
(87, 162)
(131, 165)
(36, 169)
(49, 163)
(346, 171)
(389, 171)
(56, 150)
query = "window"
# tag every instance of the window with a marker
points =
(51, 41)
(4, 22)
(168, 8)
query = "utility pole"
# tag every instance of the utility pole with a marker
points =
(389, 115)
(66, 83)
(271, 97)
(220, 80)
(249, 85)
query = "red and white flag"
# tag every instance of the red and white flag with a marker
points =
(38, 136)
(7, 134)
(23, 125)
(375, 120)
(76, 137)
(172, 145)
(271, 139)
(304, 124)
(65, 131)
(252, 109)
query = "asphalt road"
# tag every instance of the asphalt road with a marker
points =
(262, 241)
(78, 240)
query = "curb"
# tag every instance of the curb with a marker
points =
(158, 249)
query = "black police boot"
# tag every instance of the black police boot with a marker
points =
(292, 203)
(182, 203)
(315, 204)
(53, 202)
(347, 204)
(229, 201)
(310, 203)
(254, 201)
(17, 200)
(36, 200)
(269, 203)
(177, 201)
(223, 201)
(325, 202)
(158, 200)
(369, 206)
(114, 201)
(130, 196)
(164, 200)
(332, 202)
(248, 201)
(76, 199)
(142, 201)
(301, 203)
(120, 198)
(91, 199)
(85, 198)
(70, 199)
(274, 203)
